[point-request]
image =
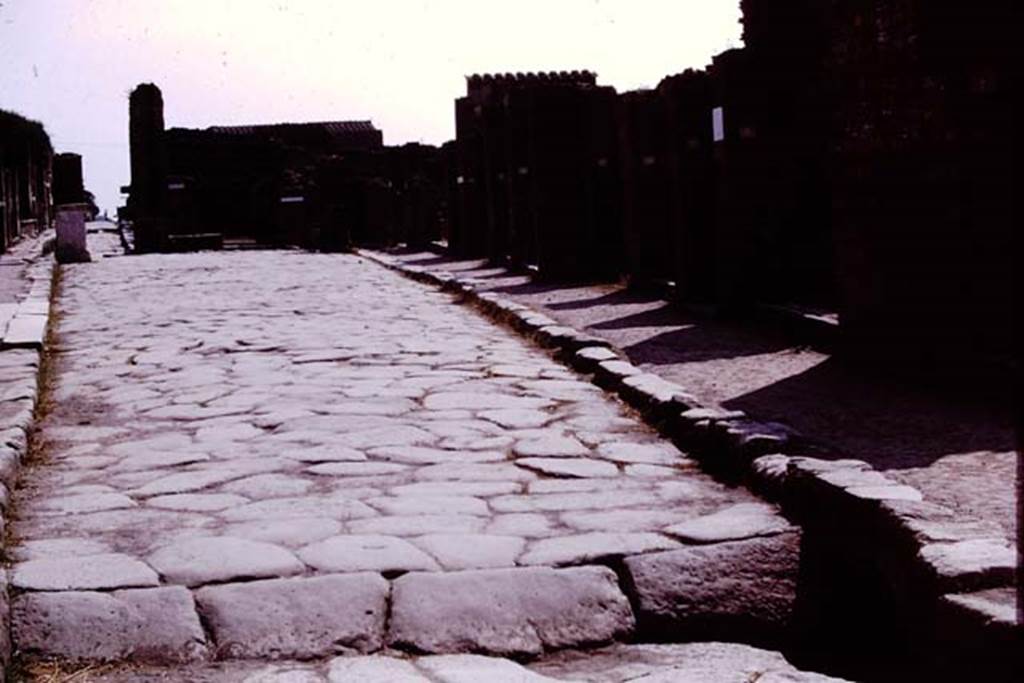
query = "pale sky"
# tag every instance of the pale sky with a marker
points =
(400, 63)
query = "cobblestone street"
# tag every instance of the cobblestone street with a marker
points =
(275, 455)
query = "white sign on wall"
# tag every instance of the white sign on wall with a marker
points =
(718, 124)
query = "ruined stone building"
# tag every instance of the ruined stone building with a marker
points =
(315, 185)
(26, 173)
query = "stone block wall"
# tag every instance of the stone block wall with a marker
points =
(26, 158)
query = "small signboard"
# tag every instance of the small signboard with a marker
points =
(292, 200)
(717, 124)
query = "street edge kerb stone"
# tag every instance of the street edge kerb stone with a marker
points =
(930, 551)
(21, 397)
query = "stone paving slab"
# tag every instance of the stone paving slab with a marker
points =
(689, 663)
(959, 449)
(267, 419)
(509, 612)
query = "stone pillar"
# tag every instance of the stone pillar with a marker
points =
(645, 174)
(68, 195)
(71, 246)
(67, 179)
(149, 167)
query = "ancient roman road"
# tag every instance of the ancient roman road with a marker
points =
(283, 455)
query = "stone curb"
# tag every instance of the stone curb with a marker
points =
(939, 552)
(22, 339)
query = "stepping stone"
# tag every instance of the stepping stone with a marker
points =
(735, 522)
(581, 468)
(152, 624)
(196, 561)
(508, 612)
(300, 618)
(355, 553)
(90, 572)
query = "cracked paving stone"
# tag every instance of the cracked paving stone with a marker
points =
(149, 624)
(570, 467)
(508, 612)
(196, 561)
(355, 553)
(300, 617)
(89, 572)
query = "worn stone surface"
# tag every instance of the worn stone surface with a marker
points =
(354, 553)
(971, 564)
(204, 560)
(689, 662)
(732, 523)
(154, 624)
(734, 589)
(88, 572)
(508, 611)
(375, 426)
(299, 617)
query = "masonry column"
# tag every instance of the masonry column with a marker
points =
(71, 209)
(149, 167)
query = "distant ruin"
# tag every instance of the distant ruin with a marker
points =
(852, 157)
